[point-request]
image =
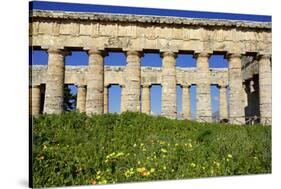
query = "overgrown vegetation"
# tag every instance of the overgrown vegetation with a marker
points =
(74, 149)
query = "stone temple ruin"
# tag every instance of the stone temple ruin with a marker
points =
(246, 45)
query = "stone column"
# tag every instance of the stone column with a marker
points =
(203, 88)
(185, 102)
(95, 83)
(169, 85)
(236, 106)
(133, 81)
(223, 102)
(81, 98)
(265, 91)
(34, 100)
(105, 100)
(55, 81)
(145, 99)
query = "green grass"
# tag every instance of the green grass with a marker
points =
(74, 149)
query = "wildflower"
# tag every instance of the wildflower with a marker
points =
(93, 182)
(142, 169)
(176, 144)
(103, 181)
(189, 145)
(193, 165)
(139, 162)
(152, 170)
(164, 150)
(229, 156)
(145, 173)
(162, 142)
(164, 168)
(141, 144)
(129, 172)
(120, 154)
(41, 158)
(135, 145)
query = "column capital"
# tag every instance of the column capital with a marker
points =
(202, 54)
(186, 86)
(263, 56)
(146, 85)
(81, 86)
(233, 55)
(223, 86)
(34, 86)
(53, 50)
(134, 53)
(98, 52)
(168, 53)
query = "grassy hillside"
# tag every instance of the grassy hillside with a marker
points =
(74, 149)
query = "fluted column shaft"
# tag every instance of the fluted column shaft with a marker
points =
(34, 101)
(265, 91)
(236, 105)
(105, 100)
(185, 102)
(203, 88)
(81, 98)
(55, 81)
(223, 102)
(145, 99)
(133, 80)
(95, 83)
(169, 92)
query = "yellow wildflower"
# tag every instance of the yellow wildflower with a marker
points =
(193, 165)
(229, 156)
(164, 150)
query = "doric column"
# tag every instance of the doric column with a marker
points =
(185, 102)
(105, 100)
(55, 81)
(203, 88)
(81, 98)
(95, 82)
(265, 92)
(34, 99)
(145, 99)
(236, 106)
(169, 85)
(133, 80)
(223, 102)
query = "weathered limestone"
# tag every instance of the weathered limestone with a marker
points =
(95, 83)
(185, 102)
(265, 89)
(236, 110)
(145, 106)
(223, 102)
(169, 92)
(105, 100)
(81, 98)
(34, 92)
(133, 81)
(203, 88)
(55, 81)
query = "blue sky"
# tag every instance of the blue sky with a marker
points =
(149, 59)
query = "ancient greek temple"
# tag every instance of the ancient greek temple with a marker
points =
(245, 44)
